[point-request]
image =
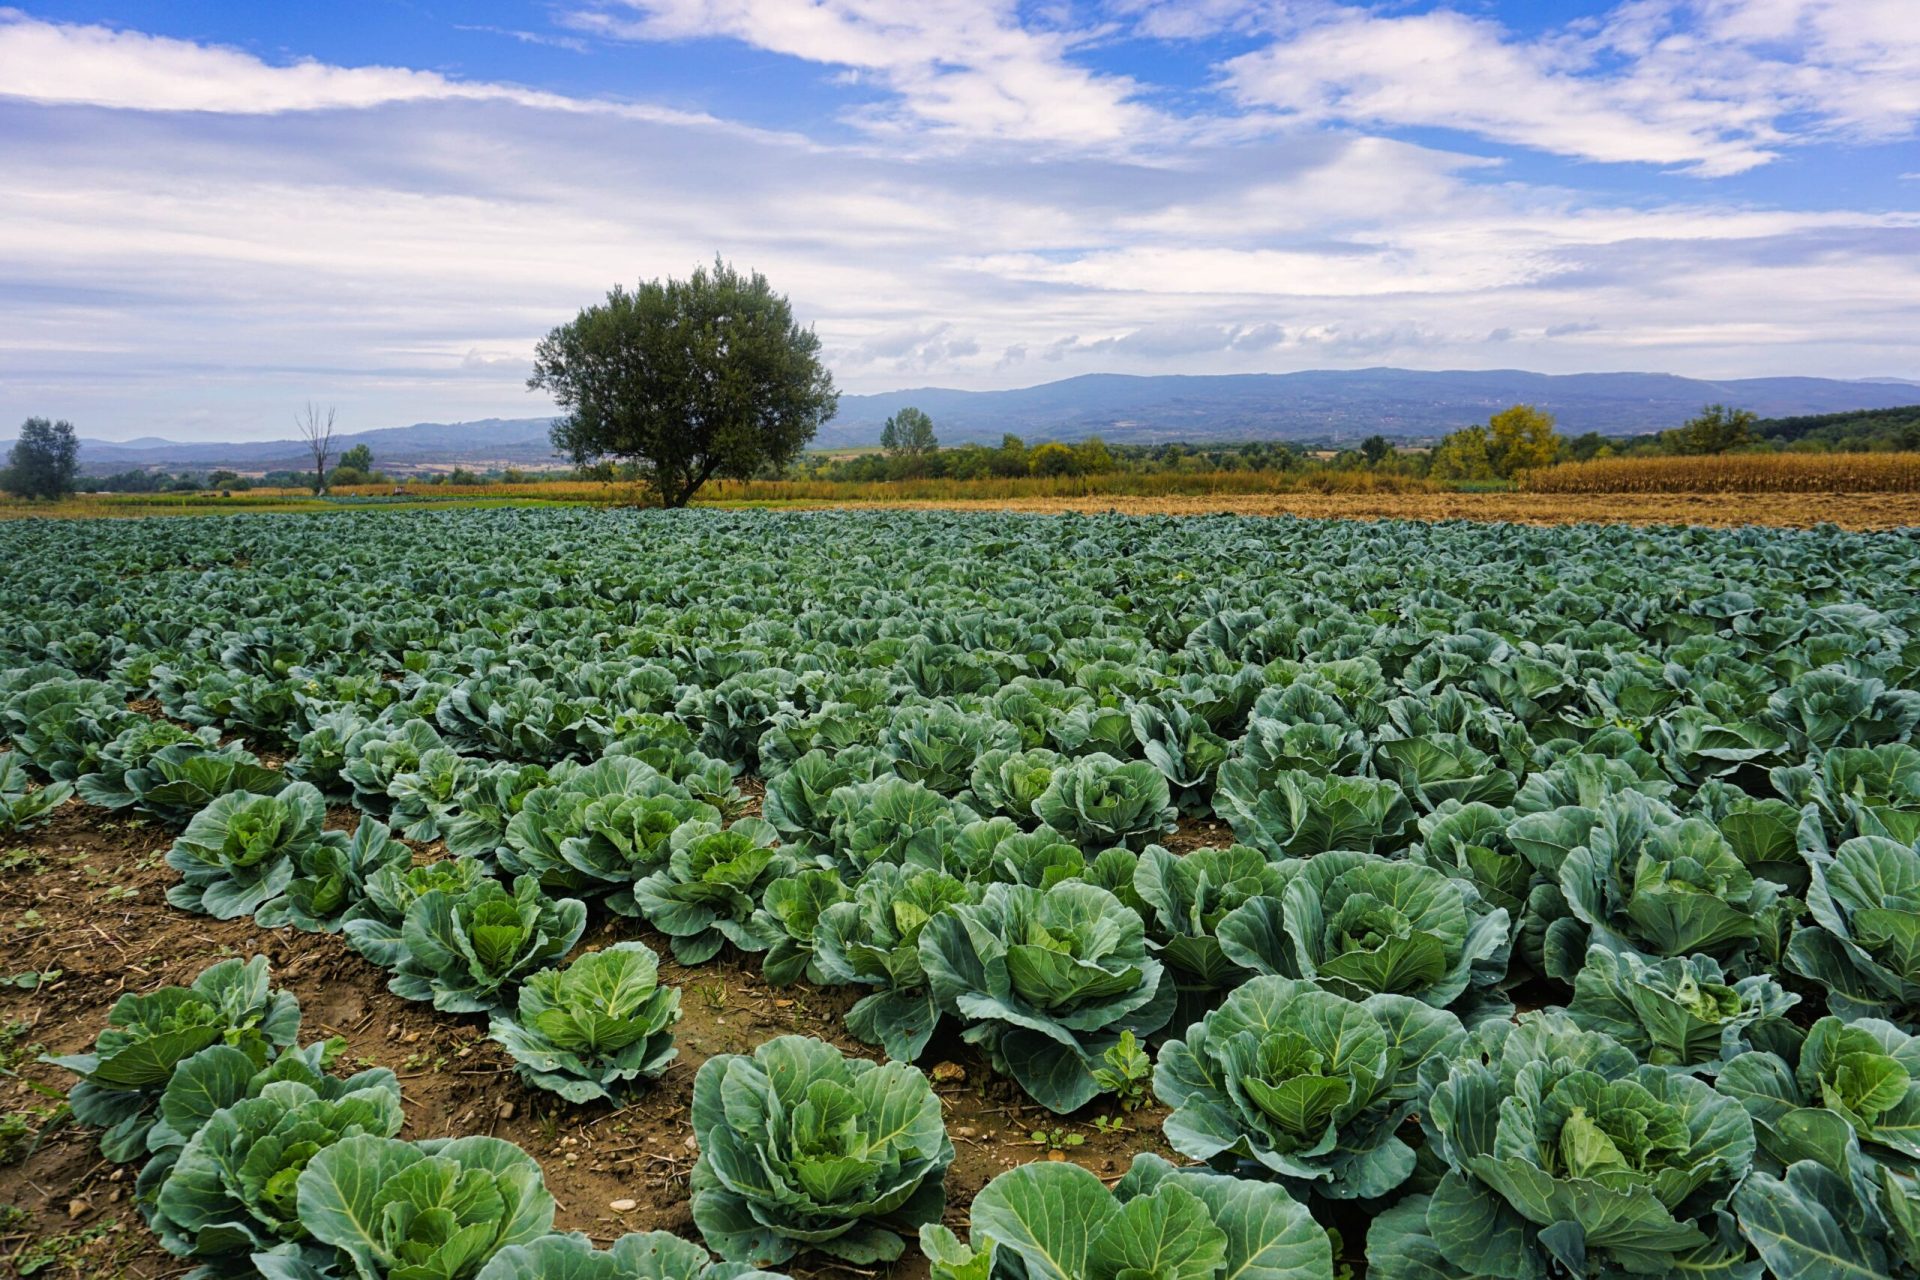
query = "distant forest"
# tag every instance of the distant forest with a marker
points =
(1862, 430)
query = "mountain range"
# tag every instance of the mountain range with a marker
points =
(1325, 406)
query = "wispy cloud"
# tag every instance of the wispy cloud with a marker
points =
(101, 66)
(1713, 86)
(957, 68)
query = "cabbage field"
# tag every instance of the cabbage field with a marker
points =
(1419, 900)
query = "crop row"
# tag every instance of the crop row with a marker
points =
(1655, 787)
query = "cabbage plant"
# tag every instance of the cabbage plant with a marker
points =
(242, 849)
(331, 878)
(148, 1035)
(467, 951)
(1098, 801)
(1294, 813)
(874, 941)
(600, 828)
(1182, 745)
(1434, 768)
(1681, 1012)
(1287, 1077)
(638, 1255)
(706, 894)
(180, 780)
(487, 805)
(788, 918)
(1856, 1080)
(1186, 898)
(1358, 924)
(1859, 791)
(1816, 1220)
(1009, 782)
(133, 749)
(1646, 879)
(425, 798)
(320, 757)
(65, 726)
(379, 753)
(591, 1029)
(233, 1191)
(1045, 981)
(804, 1149)
(219, 1076)
(889, 819)
(372, 924)
(1566, 1155)
(1057, 1221)
(23, 805)
(432, 1210)
(1862, 945)
(937, 746)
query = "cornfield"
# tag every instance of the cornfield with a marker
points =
(1734, 473)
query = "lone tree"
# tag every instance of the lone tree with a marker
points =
(909, 432)
(687, 380)
(44, 460)
(1716, 430)
(316, 428)
(1522, 438)
(359, 458)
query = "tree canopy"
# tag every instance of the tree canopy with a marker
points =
(688, 380)
(44, 460)
(909, 431)
(1715, 429)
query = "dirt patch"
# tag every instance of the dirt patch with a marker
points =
(1781, 510)
(86, 895)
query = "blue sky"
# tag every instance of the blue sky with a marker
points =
(214, 212)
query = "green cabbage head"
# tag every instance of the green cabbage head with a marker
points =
(1045, 980)
(802, 1148)
(1863, 944)
(639, 1255)
(1308, 1084)
(148, 1035)
(1359, 924)
(1565, 1156)
(433, 1210)
(601, 1022)
(1057, 1221)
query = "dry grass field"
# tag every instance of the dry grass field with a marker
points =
(1854, 491)
(1757, 473)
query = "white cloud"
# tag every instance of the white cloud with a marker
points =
(1714, 86)
(961, 68)
(102, 66)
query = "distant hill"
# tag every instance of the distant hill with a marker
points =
(1319, 405)
(487, 442)
(1341, 405)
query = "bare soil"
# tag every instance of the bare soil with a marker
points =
(1783, 510)
(86, 895)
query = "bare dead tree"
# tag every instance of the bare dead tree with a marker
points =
(316, 428)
